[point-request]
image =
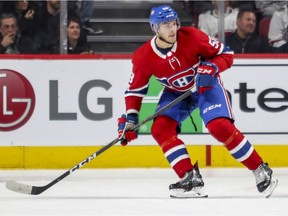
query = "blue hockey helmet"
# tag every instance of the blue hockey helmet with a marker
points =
(161, 14)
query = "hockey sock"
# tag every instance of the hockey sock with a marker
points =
(164, 132)
(239, 147)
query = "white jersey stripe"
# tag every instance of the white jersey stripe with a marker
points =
(244, 157)
(172, 150)
(237, 148)
(178, 159)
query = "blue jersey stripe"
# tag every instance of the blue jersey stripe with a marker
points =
(178, 153)
(242, 151)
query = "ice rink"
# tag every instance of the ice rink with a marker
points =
(140, 192)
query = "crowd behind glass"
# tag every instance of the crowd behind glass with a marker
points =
(249, 26)
(33, 27)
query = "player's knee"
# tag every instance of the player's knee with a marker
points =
(221, 129)
(163, 128)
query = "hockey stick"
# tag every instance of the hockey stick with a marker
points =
(35, 190)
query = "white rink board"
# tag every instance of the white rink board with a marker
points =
(262, 126)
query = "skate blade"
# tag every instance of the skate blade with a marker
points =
(194, 193)
(269, 191)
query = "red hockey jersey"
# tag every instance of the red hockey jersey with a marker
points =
(177, 69)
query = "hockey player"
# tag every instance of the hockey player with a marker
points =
(180, 58)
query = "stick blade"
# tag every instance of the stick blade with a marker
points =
(19, 187)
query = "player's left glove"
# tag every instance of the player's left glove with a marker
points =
(206, 76)
(125, 134)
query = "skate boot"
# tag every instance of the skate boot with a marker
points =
(190, 186)
(266, 184)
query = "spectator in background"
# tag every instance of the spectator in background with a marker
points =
(208, 22)
(86, 12)
(77, 42)
(250, 5)
(11, 40)
(25, 11)
(48, 26)
(278, 30)
(269, 7)
(244, 39)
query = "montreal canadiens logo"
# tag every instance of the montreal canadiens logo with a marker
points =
(17, 100)
(182, 81)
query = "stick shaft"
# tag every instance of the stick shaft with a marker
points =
(35, 190)
(106, 147)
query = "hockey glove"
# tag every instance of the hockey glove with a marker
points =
(125, 134)
(206, 76)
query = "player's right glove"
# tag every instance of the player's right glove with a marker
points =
(206, 76)
(125, 134)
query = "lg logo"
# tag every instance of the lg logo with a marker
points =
(17, 100)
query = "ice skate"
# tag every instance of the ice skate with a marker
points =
(265, 182)
(190, 186)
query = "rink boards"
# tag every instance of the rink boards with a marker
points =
(57, 111)
(65, 157)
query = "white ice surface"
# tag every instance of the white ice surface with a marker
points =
(232, 192)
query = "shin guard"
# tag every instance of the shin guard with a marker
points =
(164, 132)
(239, 147)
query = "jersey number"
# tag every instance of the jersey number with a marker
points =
(213, 43)
(131, 78)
